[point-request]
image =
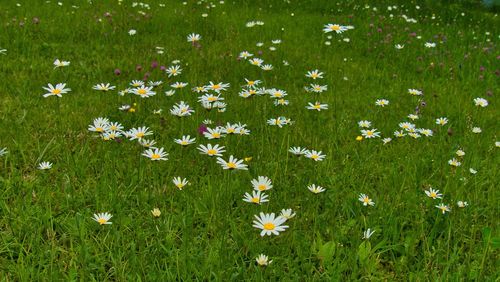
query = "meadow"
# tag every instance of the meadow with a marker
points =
(356, 140)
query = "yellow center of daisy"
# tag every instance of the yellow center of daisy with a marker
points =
(139, 134)
(251, 82)
(141, 91)
(255, 200)
(433, 195)
(369, 133)
(99, 129)
(211, 152)
(366, 200)
(314, 75)
(231, 165)
(155, 156)
(211, 99)
(314, 157)
(317, 106)
(317, 88)
(216, 86)
(269, 226)
(335, 27)
(101, 221)
(252, 92)
(262, 187)
(216, 135)
(56, 91)
(184, 142)
(179, 185)
(230, 130)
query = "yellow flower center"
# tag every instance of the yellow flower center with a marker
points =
(317, 106)
(230, 130)
(335, 27)
(252, 92)
(56, 91)
(99, 129)
(231, 165)
(179, 185)
(262, 187)
(101, 221)
(314, 157)
(139, 134)
(369, 133)
(255, 200)
(141, 91)
(433, 195)
(211, 99)
(216, 135)
(314, 75)
(211, 152)
(251, 82)
(366, 200)
(155, 156)
(269, 226)
(184, 142)
(216, 86)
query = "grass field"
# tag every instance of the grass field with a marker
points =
(448, 53)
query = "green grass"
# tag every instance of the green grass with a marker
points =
(205, 231)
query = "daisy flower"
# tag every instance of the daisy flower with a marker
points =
(199, 89)
(138, 133)
(314, 74)
(156, 154)
(316, 88)
(454, 162)
(44, 165)
(156, 212)
(334, 27)
(180, 183)
(100, 125)
(263, 260)
(367, 234)
(178, 85)
(415, 92)
(287, 213)
(370, 133)
(3, 152)
(193, 37)
(399, 46)
(58, 63)
(147, 143)
(425, 132)
(480, 102)
(315, 189)
(407, 126)
(210, 98)
(185, 140)
(298, 151)
(460, 153)
(215, 133)
(245, 55)
(58, 90)
(444, 208)
(173, 70)
(181, 109)
(262, 183)
(462, 204)
(413, 116)
(103, 87)
(232, 163)
(269, 224)
(276, 93)
(144, 91)
(281, 102)
(315, 155)
(476, 130)
(256, 197)
(382, 102)
(217, 87)
(103, 218)
(136, 83)
(267, 67)
(386, 140)
(256, 61)
(365, 200)
(364, 123)
(434, 194)
(430, 44)
(317, 106)
(210, 150)
(252, 83)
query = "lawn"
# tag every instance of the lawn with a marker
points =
(366, 140)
